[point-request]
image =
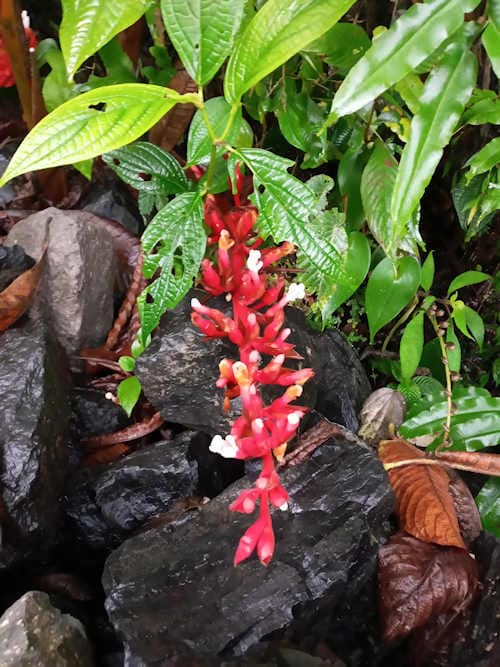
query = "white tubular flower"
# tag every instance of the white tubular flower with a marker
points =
(254, 263)
(296, 291)
(226, 447)
(195, 303)
(25, 17)
(284, 507)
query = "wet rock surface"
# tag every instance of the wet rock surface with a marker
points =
(33, 633)
(76, 291)
(33, 416)
(13, 262)
(92, 413)
(337, 517)
(179, 369)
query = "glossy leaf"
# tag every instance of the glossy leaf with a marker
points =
(424, 507)
(174, 243)
(494, 12)
(127, 364)
(484, 110)
(428, 273)
(491, 43)
(389, 290)
(397, 52)
(128, 393)
(467, 278)
(202, 32)
(88, 24)
(91, 124)
(443, 100)
(280, 29)
(411, 347)
(342, 46)
(486, 158)
(349, 175)
(453, 352)
(468, 322)
(147, 168)
(418, 581)
(488, 502)
(218, 112)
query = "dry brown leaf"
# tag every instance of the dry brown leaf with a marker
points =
(468, 515)
(169, 129)
(107, 454)
(18, 296)
(481, 462)
(383, 412)
(424, 505)
(419, 581)
(127, 434)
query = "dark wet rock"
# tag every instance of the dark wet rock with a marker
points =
(76, 292)
(92, 413)
(33, 418)
(33, 633)
(108, 502)
(179, 369)
(174, 590)
(7, 192)
(13, 262)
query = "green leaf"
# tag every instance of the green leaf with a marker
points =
(467, 278)
(128, 393)
(174, 244)
(459, 317)
(278, 31)
(127, 364)
(202, 32)
(342, 46)
(147, 168)
(494, 12)
(475, 422)
(485, 110)
(485, 159)
(285, 205)
(93, 123)
(397, 52)
(475, 325)
(56, 88)
(389, 290)
(218, 112)
(349, 175)
(428, 273)
(453, 350)
(446, 92)
(411, 347)
(488, 503)
(88, 24)
(491, 42)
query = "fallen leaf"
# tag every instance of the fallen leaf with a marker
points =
(481, 462)
(107, 454)
(424, 505)
(18, 296)
(468, 515)
(126, 434)
(431, 646)
(418, 581)
(383, 412)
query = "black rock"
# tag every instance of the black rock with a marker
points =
(13, 262)
(33, 417)
(179, 369)
(174, 590)
(107, 502)
(93, 414)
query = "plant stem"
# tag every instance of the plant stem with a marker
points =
(444, 359)
(399, 322)
(229, 123)
(211, 167)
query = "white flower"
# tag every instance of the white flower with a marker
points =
(284, 507)
(226, 447)
(25, 18)
(254, 263)
(296, 291)
(195, 303)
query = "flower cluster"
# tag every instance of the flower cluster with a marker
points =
(6, 75)
(240, 271)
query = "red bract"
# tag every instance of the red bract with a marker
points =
(6, 75)
(256, 327)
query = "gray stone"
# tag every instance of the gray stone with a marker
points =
(174, 590)
(33, 633)
(76, 292)
(33, 417)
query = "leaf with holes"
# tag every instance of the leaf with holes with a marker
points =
(202, 32)
(279, 30)
(148, 168)
(424, 505)
(89, 24)
(418, 581)
(96, 122)
(174, 244)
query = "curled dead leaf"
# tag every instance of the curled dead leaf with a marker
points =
(127, 434)
(18, 296)
(424, 505)
(107, 454)
(419, 581)
(382, 413)
(468, 515)
(481, 462)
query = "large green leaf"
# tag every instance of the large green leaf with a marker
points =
(445, 94)
(396, 53)
(485, 159)
(342, 46)
(494, 13)
(389, 290)
(174, 244)
(88, 24)
(278, 31)
(411, 347)
(93, 123)
(485, 108)
(475, 422)
(148, 168)
(488, 502)
(491, 42)
(202, 32)
(218, 112)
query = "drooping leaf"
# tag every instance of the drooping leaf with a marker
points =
(467, 278)
(424, 505)
(428, 272)
(475, 325)
(96, 122)
(397, 52)
(218, 112)
(174, 243)
(488, 502)
(418, 581)
(147, 168)
(485, 159)
(389, 290)
(88, 24)
(128, 393)
(411, 347)
(475, 421)
(17, 297)
(491, 43)
(280, 29)
(349, 175)
(202, 32)
(445, 94)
